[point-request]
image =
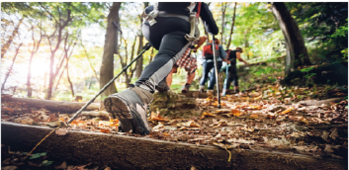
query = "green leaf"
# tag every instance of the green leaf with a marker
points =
(34, 156)
(46, 163)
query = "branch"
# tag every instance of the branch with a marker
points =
(48, 12)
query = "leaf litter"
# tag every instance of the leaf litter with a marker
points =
(268, 118)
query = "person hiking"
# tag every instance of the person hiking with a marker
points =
(232, 76)
(189, 63)
(208, 64)
(170, 27)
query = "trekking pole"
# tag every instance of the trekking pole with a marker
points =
(225, 85)
(216, 71)
(245, 78)
(145, 48)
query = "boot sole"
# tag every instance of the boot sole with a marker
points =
(117, 108)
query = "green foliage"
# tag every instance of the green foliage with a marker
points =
(37, 155)
(307, 69)
(324, 26)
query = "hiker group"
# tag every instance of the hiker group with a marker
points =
(172, 29)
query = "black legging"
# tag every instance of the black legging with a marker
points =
(167, 36)
(232, 75)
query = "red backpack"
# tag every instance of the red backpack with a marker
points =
(207, 52)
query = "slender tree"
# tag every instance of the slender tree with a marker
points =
(232, 26)
(224, 6)
(140, 47)
(110, 48)
(33, 51)
(10, 39)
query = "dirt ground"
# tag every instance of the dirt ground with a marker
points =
(291, 120)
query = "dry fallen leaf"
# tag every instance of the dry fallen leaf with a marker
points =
(223, 111)
(191, 123)
(287, 111)
(61, 131)
(157, 117)
(62, 166)
(235, 112)
(207, 114)
(253, 116)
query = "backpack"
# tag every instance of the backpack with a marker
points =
(207, 52)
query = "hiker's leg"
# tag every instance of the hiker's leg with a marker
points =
(169, 78)
(235, 77)
(171, 49)
(229, 79)
(130, 106)
(207, 66)
(213, 76)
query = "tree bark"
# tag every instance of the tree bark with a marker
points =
(140, 47)
(51, 105)
(110, 44)
(297, 54)
(9, 41)
(224, 9)
(232, 26)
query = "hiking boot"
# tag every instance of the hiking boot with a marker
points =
(186, 88)
(202, 89)
(236, 91)
(209, 92)
(130, 108)
(162, 86)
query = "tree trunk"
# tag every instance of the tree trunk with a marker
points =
(224, 8)
(110, 44)
(297, 54)
(70, 83)
(232, 26)
(51, 77)
(9, 41)
(139, 64)
(29, 89)
(59, 79)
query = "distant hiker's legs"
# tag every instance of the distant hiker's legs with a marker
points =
(130, 106)
(234, 77)
(207, 66)
(190, 78)
(213, 76)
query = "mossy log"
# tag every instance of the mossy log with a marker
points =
(127, 152)
(171, 104)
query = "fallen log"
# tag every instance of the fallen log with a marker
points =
(126, 152)
(321, 102)
(52, 105)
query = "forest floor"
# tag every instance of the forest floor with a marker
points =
(311, 121)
